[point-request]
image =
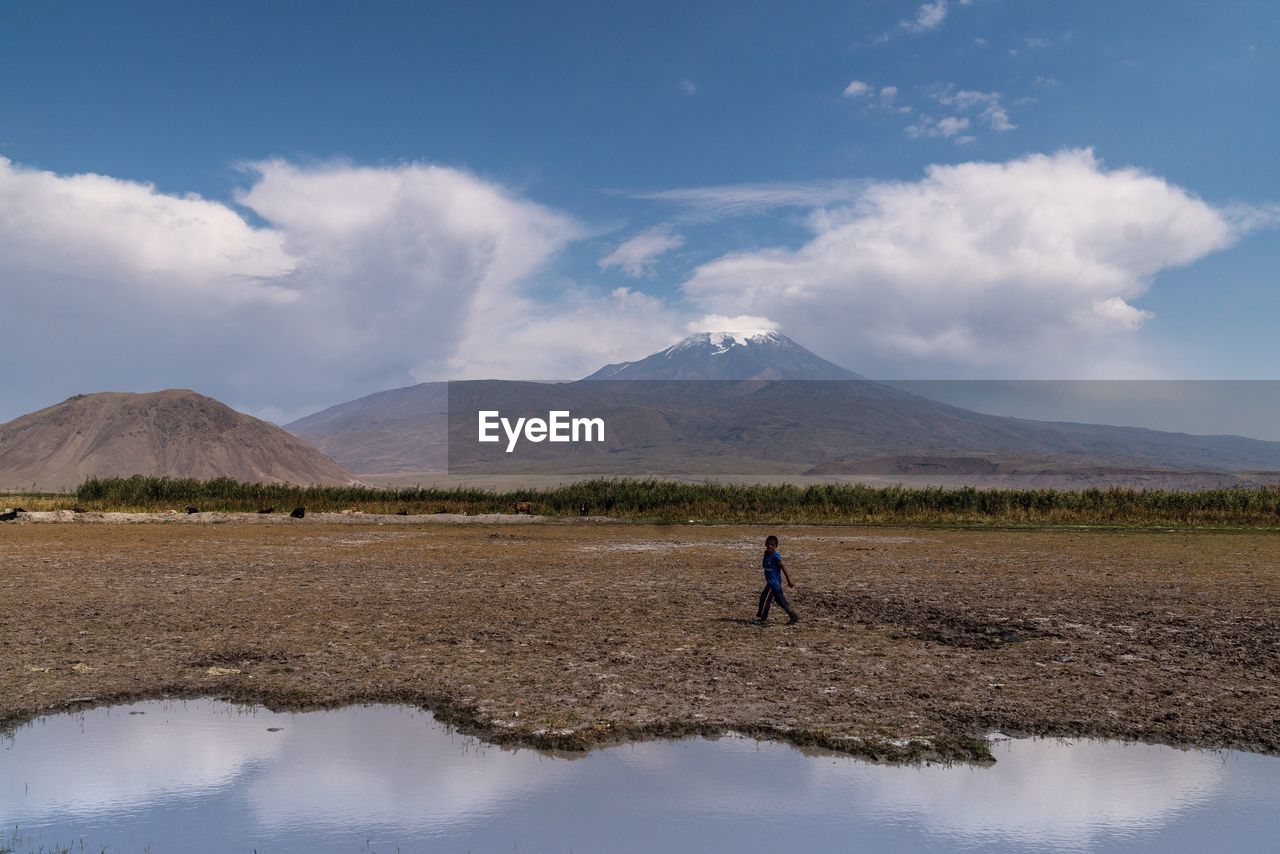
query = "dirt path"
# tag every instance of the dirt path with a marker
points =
(914, 643)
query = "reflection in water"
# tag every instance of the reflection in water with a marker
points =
(209, 776)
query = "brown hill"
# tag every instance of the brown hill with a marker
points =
(174, 433)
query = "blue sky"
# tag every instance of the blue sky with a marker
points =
(768, 155)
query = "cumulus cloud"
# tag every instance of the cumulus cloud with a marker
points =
(568, 339)
(637, 255)
(928, 17)
(94, 227)
(858, 89)
(356, 278)
(1030, 266)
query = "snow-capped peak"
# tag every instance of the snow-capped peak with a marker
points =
(727, 338)
(724, 339)
(731, 351)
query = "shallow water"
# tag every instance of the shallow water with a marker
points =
(208, 776)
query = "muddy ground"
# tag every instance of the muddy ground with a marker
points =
(914, 643)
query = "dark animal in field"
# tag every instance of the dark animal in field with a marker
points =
(525, 507)
(262, 511)
(9, 516)
(402, 512)
(583, 510)
(298, 513)
(77, 510)
(192, 509)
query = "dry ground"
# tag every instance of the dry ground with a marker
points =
(914, 642)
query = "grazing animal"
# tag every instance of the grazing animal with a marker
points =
(525, 507)
(9, 516)
(298, 513)
(583, 510)
(404, 512)
(77, 510)
(262, 511)
(192, 509)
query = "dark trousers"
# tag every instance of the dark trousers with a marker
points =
(768, 596)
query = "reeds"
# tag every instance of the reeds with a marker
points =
(662, 500)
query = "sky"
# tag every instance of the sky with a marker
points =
(290, 205)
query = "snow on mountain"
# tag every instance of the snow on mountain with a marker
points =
(729, 354)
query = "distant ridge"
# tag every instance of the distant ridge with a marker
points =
(173, 433)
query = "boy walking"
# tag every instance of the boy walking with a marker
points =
(774, 572)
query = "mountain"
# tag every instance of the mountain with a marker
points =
(751, 354)
(174, 433)
(763, 404)
(818, 427)
(405, 430)
(401, 430)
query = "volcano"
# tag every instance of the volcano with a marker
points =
(753, 401)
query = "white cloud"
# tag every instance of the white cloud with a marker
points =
(858, 89)
(86, 227)
(358, 277)
(947, 127)
(1029, 266)
(347, 279)
(1115, 313)
(928, 17)
(568, 339)
(740, 323)
(687, 87)
(1248, 218)
(990, 108)
(952, 125)
(867, 94)
(637, 255)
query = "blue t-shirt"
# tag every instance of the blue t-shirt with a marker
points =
(773, 568)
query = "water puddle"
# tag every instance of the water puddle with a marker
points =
(208, 776)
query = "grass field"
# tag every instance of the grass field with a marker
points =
(669, 501)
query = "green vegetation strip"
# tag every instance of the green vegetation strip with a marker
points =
(660, 500)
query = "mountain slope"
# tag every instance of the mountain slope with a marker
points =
(404, 429)
(762, 404)
(174, 433)
(751, 354)
(813, 426)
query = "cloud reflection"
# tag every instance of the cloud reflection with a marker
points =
(397, 769)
